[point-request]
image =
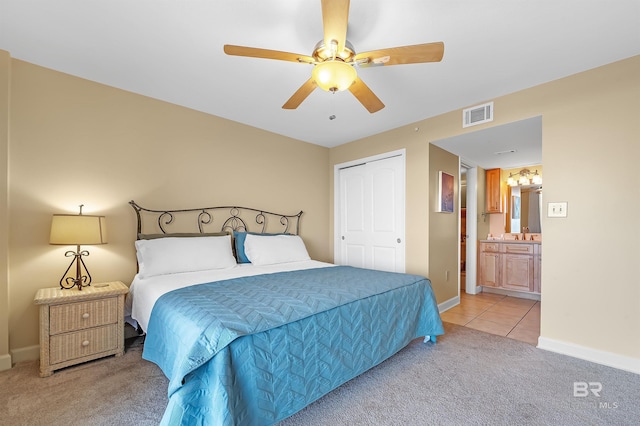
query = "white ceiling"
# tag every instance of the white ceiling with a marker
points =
(172, 50)
(507, 146)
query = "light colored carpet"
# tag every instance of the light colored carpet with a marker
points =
(110, 391)
(474, 378)
(467, 378)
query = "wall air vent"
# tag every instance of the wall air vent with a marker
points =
(477, 115)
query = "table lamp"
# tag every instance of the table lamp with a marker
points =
(67, 229)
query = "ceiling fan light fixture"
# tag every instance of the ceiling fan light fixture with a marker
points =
(334, 75)
(323, 52)
(334, 59)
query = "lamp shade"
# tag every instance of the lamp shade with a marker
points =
(334, 75)
(69, 229)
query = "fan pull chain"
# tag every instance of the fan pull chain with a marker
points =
(332, 107)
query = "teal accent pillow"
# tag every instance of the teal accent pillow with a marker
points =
(238, 238)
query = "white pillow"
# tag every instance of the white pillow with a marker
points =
(173, 255)
(271, 249)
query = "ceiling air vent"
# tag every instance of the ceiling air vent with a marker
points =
(477, 115)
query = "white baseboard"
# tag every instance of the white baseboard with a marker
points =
(5, 362)
(28, 353)
(609, 359)
(448, 304)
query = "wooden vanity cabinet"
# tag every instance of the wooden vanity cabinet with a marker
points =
(511, 266)
(517, 267)
(489, 264)
(493, 192)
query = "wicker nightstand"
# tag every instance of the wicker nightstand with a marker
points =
(78, 326)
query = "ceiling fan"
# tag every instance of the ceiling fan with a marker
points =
(335, 60)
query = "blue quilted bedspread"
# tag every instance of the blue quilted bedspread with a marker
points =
(255, 350)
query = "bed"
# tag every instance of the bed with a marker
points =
(248, 328)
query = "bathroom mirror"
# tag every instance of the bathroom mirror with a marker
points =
(525, 209)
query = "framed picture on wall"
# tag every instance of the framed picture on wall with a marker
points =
(445, 192)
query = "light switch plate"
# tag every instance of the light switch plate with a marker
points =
(557, 209)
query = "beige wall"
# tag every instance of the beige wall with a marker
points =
(5, 359)
(74, 141)
(590, 272)
(444, 262)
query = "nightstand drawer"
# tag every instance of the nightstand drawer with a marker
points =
(80, 315)
(82, 343)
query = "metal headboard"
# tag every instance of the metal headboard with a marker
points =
(215, 219)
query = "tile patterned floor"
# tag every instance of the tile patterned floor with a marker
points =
(496, 314)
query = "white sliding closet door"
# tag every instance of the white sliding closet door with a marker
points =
(371, 215)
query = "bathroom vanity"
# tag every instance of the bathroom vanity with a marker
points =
(510, 265)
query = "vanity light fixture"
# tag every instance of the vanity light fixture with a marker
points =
(524, 177)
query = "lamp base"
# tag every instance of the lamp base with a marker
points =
(80, 280)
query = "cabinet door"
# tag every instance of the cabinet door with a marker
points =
(489, 269)
(493, 193)
(517, 272)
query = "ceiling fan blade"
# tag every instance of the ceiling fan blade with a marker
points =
(254, 52)
(366, 97)
(335, 17)
(300, 95)
(415, 54)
